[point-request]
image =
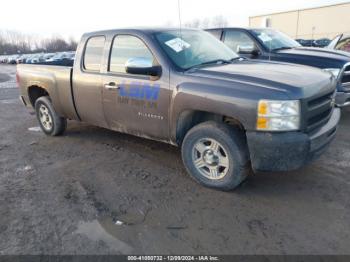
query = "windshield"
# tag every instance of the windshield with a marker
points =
(192, 48)
(274, 40)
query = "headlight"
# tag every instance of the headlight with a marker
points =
(276, 115)
(333, 71)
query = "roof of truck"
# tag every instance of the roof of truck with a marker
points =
(241, 28)
(149, 30)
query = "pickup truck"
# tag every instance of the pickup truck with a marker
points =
(270, 44)
(186, 88)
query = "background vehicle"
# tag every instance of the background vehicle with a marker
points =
(226, 114)
(323, 42)
(270, 44)
(341, 43)
(12, 59)
(305, 42)
(62, 58)
(22, 59)
(32, 59)
(48, 56)
(3, 59)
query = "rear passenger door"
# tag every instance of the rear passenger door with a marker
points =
(135, 104)
(87, 81)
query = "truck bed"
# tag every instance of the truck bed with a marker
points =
(57, 80)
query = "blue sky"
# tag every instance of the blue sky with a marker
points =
(72, 18)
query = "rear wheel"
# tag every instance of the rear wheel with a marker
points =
(50, 122)
(216, 155)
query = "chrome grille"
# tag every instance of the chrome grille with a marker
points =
(319, 111)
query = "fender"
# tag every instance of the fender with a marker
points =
(200, 97)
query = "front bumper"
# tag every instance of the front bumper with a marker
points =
(271, 152)
(342, 99)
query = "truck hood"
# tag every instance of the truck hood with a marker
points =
(317, 53)
(295, 81)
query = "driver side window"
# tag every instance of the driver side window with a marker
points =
(126, 47)
(236, 39)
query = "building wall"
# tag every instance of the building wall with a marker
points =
(315, 23)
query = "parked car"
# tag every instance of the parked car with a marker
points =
(62, 58)
(12, 59)
(341, 43)
(4, 59)
(21, 59)
(32, 57)
(26, 57)
(48, 56)
(270, 44)
(323, 42)
(226, 113)
(36, 58)
(305, 42)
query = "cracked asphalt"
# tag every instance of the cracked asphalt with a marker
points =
(94, 191)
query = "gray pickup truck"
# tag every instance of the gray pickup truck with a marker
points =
(186, 88)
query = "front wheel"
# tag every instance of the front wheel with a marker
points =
(216, 155)
(50, 122)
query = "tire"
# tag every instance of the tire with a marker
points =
(50, 122)
(216, 155)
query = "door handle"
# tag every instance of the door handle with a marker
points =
(111, 86)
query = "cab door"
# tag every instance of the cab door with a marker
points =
(87, 81)
(135, 103)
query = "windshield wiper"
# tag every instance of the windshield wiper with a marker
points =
(282, 48)
(237, 58)
(213, 62)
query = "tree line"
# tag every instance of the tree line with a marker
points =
(216, 21)
(202, 23)
(13, 42)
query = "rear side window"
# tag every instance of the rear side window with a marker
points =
(124, 48)
(93, 53)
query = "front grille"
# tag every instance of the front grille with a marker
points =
(346, 78)
(319, 110)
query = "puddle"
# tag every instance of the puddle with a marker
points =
(34, 129)
(104, 230)
(132, 217)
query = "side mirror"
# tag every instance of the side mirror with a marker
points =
(142, 66)
(247, 50)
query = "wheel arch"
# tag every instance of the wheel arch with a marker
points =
(187, 119)
(35, 92)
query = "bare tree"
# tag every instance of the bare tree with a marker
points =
(13, 42)
(196, 23)
(219, 21)
(72, 44)
(205, 23)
